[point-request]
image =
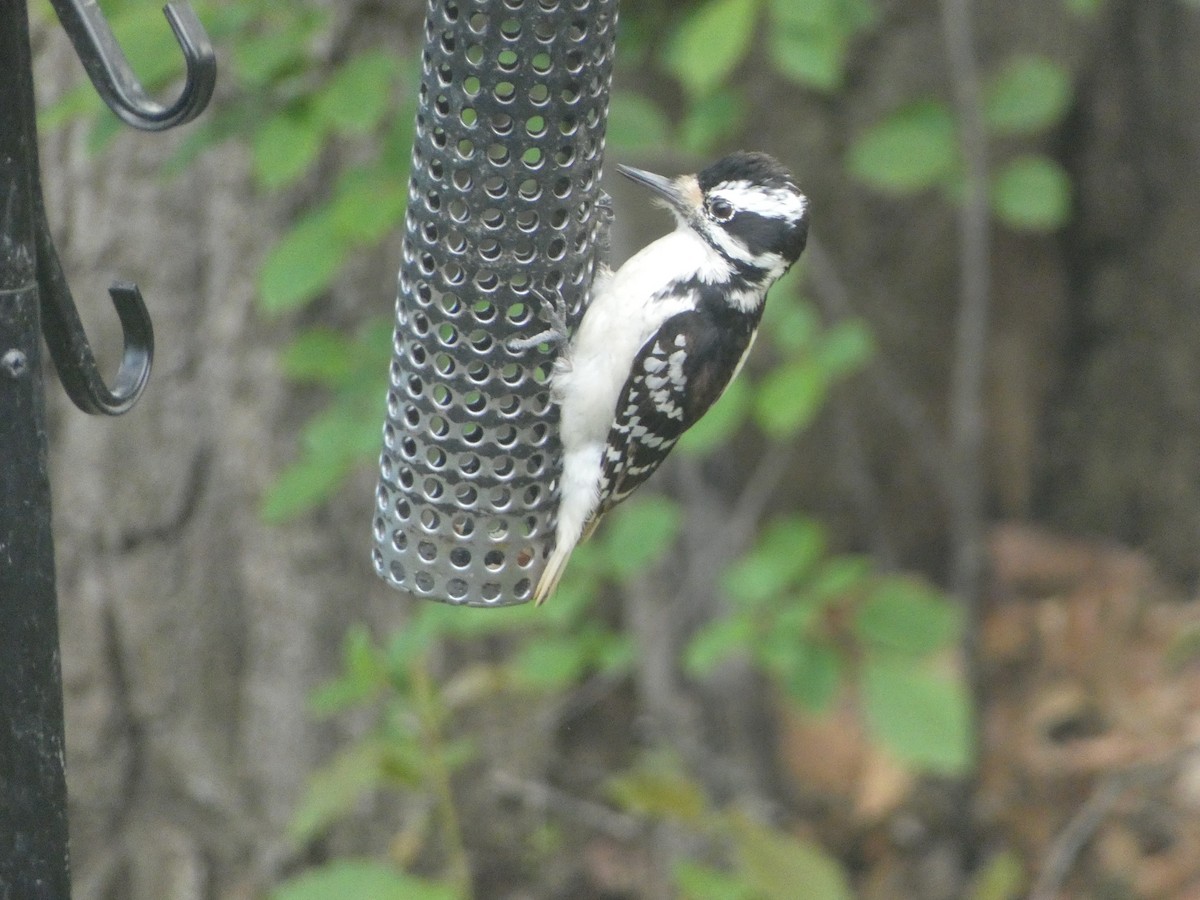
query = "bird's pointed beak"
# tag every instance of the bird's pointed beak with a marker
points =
(673, 191)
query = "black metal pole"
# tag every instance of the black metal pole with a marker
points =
(33, 790)
(35, 301)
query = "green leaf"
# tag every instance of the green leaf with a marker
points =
(1029, 94)
(363, 674)
(798, 540)
(336, 788)
(395, 154)
(284, 149)
(262, 58)
(922, 717)
(808, 59)
(345, 435)
(105, 128)
(550, 663)
(785, 552)
(778, 866)
(341, 433)
(658, 792)
(720, 423)
(913, 149)
(635, 124)
(837, 578)
(215, 129)
(301, 265)
(789, 397)
(716, 642)
(841, 16)
(361, 880)
(708, 45)
(320, 356)
(355, 99)
(224, 21)
(808, 42)
(614, 653)
(74, 104)
(700, 882)
(300, 487)
(578, 589)
(339, 695)
(407, 648)
(793, 326)
(360, 657)
(334, 442)
(813, 674)
(336, 696)
(907, 615)
(640, 533)
(368, 205)
(711, 119)
(1032, 193)
(147, 44)
(1184, 648)
(844, 348)
(1001, 878)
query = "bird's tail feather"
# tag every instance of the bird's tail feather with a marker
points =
(557, 563)
(552, 574)
(576, 515)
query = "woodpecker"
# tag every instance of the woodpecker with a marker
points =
(663, 336)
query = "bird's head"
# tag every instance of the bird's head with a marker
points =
(745, 206)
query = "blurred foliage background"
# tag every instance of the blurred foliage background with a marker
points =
(774, 673)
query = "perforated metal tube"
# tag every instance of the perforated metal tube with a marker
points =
(506, 164)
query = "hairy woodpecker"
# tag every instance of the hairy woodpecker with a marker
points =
(664, 335)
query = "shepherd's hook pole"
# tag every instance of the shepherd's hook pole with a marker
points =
(35, 301)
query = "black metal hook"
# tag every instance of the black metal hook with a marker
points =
(110, 72)
(114, 80)
(68, 342)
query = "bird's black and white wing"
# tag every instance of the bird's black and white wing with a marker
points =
(677, 375)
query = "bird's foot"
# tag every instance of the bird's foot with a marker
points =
(555, 306)
(603, 233)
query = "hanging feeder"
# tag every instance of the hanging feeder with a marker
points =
(502, 219)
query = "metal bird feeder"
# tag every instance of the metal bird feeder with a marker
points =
(502, 220)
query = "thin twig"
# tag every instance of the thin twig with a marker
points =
(1069, 843)
(902, 404)
(970, 345)
(863, 489)
(580, 700)
(546, 798)
(777, 460)
(738, 522)
(457, 862)
(1074, 837)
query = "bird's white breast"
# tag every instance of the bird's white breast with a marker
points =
(627, 307)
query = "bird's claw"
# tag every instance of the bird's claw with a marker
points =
(557, 333)
(603, 234)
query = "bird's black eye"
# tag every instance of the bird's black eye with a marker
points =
(721, 210)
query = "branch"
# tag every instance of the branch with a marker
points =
(1072, 839)
(774, 465)
(1083, 825)
(864, 490)
(834, 297)
(970, 345)
(546, 798)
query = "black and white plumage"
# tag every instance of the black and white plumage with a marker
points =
(665, 334)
